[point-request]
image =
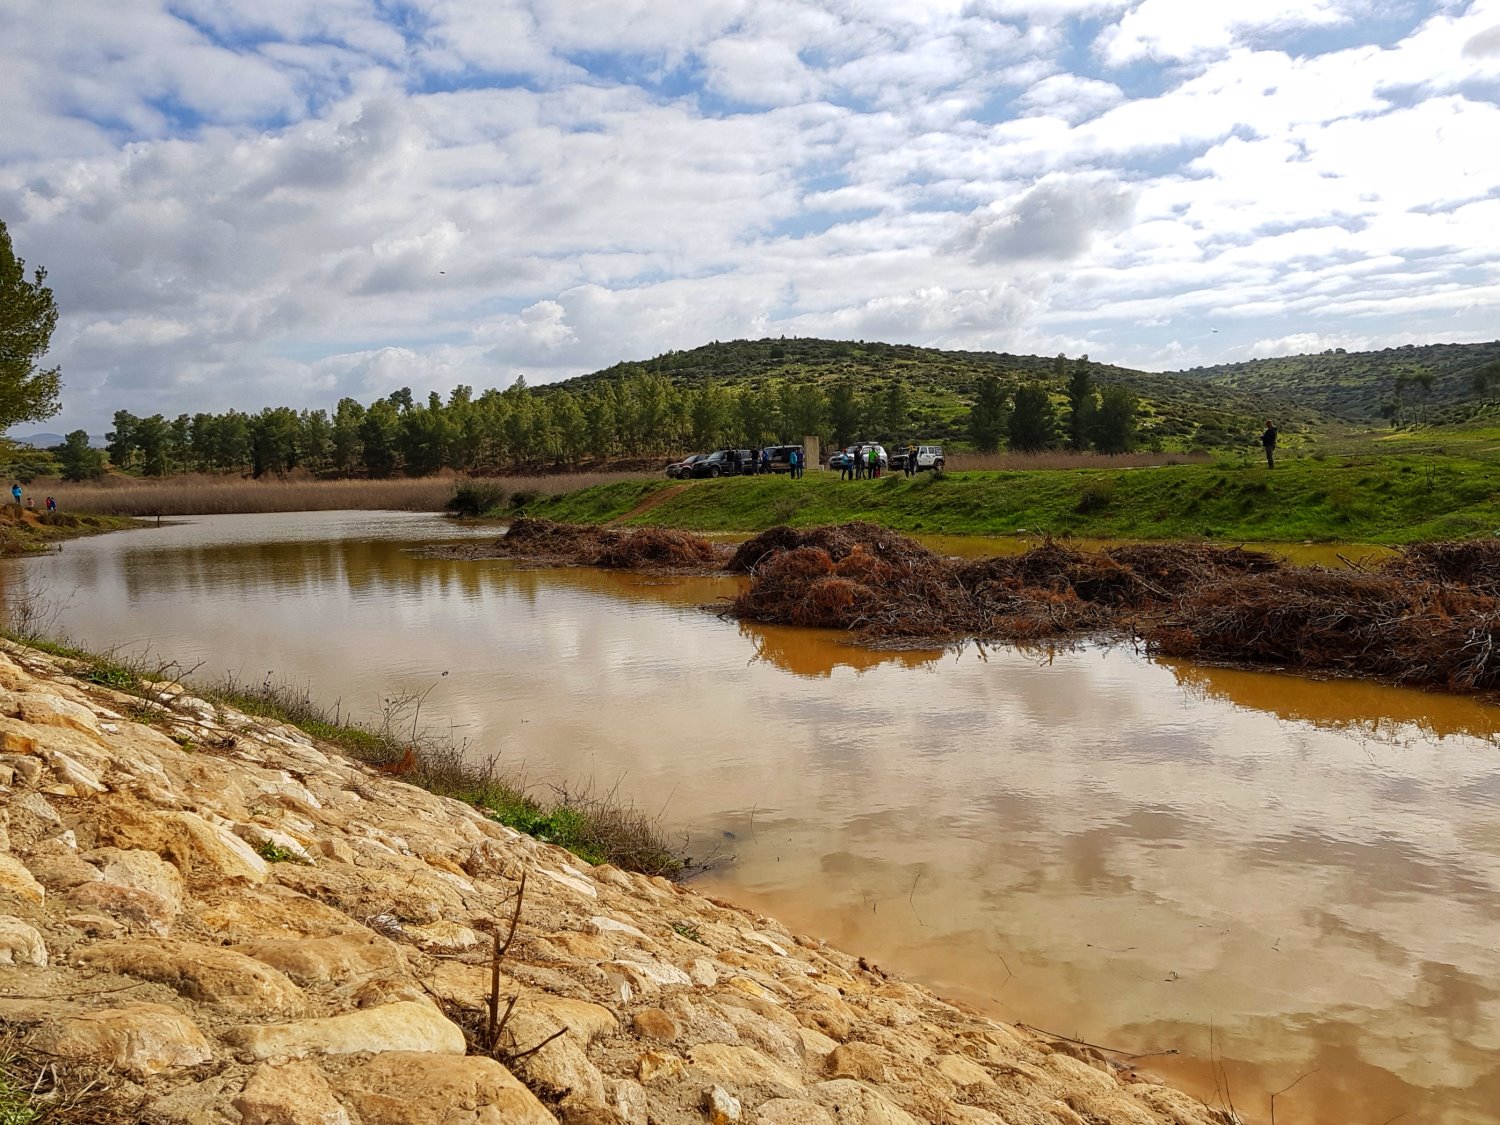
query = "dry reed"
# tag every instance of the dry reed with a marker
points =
(208, 494)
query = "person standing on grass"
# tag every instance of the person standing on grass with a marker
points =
(15, 494)
(795, 459)
(911, 460)
(1268, 442)
(51, 504)
(874, 463)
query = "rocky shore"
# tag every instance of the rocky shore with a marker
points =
(212, 919)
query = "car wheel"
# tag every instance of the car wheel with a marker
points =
(714, 471)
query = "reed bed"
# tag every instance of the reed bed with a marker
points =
(208, 494)
(1061, 459)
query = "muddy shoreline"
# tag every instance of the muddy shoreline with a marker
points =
(1427, 617)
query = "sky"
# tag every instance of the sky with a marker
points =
(244, 203)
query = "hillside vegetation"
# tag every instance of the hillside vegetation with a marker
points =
(1175, 411)
(1430, 384)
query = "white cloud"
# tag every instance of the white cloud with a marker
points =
(1178, 30)
(246, 203)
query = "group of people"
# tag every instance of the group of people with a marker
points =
(15, 494)
(866, 462)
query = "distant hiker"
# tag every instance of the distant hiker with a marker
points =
(911, 460)
(846, 466)
(794, 459)
(765, 460)
(857, 455)
(1268, 440)
(874, 463)
(31, 503)
(15, 494)
(51, 504)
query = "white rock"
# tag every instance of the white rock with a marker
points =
(21, 943)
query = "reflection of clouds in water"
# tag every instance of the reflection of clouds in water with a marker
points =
(1053, 830)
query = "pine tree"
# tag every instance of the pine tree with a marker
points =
(1033, 422)
(987, 420)
(27, 317)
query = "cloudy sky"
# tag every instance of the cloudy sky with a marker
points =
(254, 202)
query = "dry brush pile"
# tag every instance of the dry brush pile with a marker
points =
(649, 548)
(1428, 616)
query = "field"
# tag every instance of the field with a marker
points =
(1395, 497)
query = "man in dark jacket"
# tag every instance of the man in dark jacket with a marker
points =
(1268, 440)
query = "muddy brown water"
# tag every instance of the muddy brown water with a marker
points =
(1271, 877)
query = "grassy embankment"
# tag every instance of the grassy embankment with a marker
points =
(205, 494)
(33, 533)
(599, 827)
(1395, 497)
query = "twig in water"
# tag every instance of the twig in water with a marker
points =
(1284, 1089)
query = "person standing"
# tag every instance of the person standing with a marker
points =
(15, 494)
(911, 460)
(51, 504)
(874, 463)
(846, 466)
(1268, 442)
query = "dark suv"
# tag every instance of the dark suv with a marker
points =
(724, 463)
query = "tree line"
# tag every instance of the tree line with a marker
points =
(637, 416)
(1028, 420)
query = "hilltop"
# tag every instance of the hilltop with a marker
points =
(1177, 410)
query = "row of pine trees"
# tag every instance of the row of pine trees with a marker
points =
(639, 416)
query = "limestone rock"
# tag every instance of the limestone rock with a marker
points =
(141, 1040)
(792, 1111)
(858, 1060)
(28, 769)
(221, 977)
(330, 958)
(61, 872)
(398, 1088)
(859, 1104)
(294, 1093)
(722, 1106)
(137, 907)
(653, 1023)
(742, 1066)
(659, 1065)
(201, 850)
(46, 709)
(17, 882)
(963, 1071)
(21, 943)
(402, 1026)
(143, 870)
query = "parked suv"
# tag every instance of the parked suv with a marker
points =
(862, 451)
(684, 468)
(930, 457)
(723, 463)
(781, 457)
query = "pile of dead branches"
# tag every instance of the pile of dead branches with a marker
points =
(649, 548)
(836, 540)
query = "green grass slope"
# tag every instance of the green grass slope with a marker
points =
(1398, 498)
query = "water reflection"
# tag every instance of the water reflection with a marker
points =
(1269, 874)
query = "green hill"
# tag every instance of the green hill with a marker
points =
(1177, 411)
(1433, 384)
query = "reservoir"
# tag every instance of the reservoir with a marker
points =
(1254, 882)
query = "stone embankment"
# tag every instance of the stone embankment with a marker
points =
(213, 919)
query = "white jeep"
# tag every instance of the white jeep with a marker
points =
(930, 457)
